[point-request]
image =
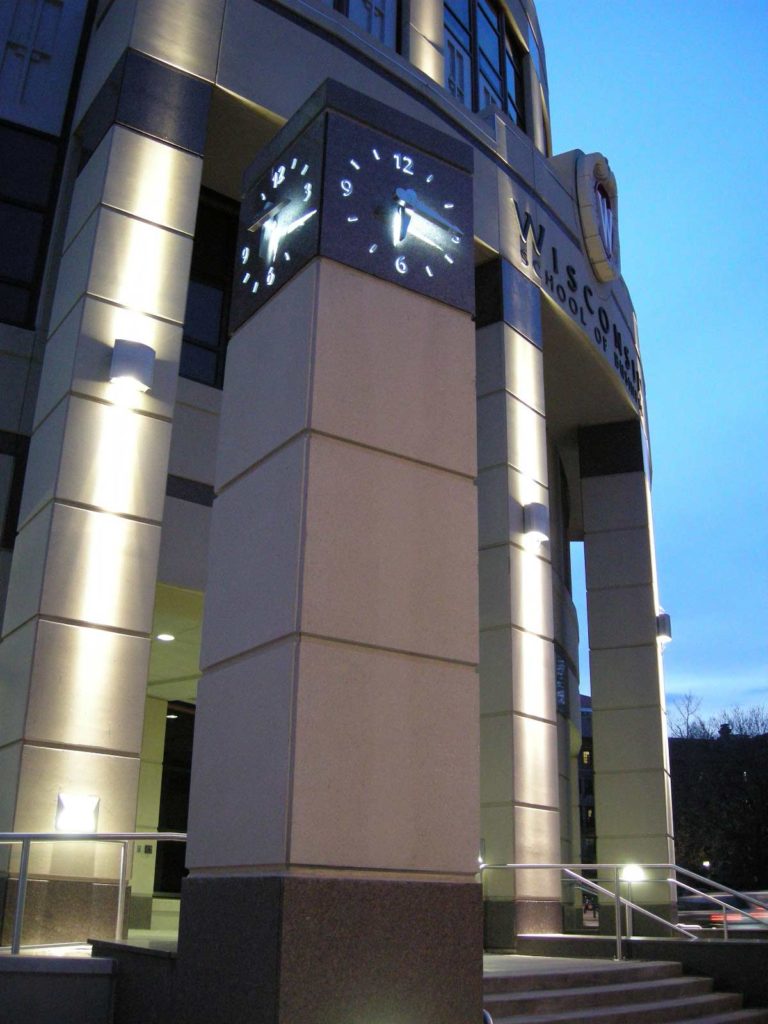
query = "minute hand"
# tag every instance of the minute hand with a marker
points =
(409, 199)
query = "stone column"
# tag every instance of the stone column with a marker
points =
(519, 769)
(632, 786)
(73, 661)
(426, 38)
(333, 829)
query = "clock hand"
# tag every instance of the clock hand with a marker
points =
(408, 200)
(274, 230)
(297, 223)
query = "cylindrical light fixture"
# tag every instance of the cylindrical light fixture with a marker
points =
(535, 525)
(663, 628)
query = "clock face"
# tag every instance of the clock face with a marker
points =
(397, 213)
(279, 226)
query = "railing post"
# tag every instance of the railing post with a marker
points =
(121, 890)
(21, 896)
(617, 911)
(628, 910)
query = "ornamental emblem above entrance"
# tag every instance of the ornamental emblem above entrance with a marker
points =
(599, 209)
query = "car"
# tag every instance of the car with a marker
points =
(699, 912)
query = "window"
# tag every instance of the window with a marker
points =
(13, 463)
(377, 17)
(204, 346)
(484, 61)
(27, 165)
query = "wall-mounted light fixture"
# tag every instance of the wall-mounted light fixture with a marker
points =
(535, 525)
(663, 628)
(77, 813)
(133, 365)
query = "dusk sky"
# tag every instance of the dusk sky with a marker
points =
(674, 94)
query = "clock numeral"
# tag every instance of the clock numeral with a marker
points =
(403, 163)
(271, 275)
(372, 248)
(400, 265)
(278, 176)
(429, 271)
(245, 254)
(307, 190)
(455, 239)
(346, 187)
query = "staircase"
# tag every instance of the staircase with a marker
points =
(604, 992)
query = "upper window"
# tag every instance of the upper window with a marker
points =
(210, 285)
(377, 17)
(27, 165)
(484, 60)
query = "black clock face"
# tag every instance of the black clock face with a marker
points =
(397, 213)
(279, 225)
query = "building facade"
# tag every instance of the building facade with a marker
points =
(396, 375)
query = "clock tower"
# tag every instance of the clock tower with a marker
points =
(334, 811)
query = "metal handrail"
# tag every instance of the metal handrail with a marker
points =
(574, 873)
(27, 838)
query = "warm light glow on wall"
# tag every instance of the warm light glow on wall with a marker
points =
(107, 549)
(117, 464)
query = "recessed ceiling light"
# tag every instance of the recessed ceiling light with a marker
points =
(165, 637)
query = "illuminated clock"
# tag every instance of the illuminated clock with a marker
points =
(279, 224)
(397, 212)
(397, 206)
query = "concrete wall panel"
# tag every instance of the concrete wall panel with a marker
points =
(98, 569)
(381, 750)
(253, 567)
(97, 707)
(396, 384)
(243, 734)
(376, 568)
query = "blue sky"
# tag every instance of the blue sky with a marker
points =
(674, 94)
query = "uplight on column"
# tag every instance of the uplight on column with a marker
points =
(133, 365)
(77, 813)
(535, 525)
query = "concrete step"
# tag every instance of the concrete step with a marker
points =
(666, 1011)
(625, 993)
(562, 977)
(735, 1017)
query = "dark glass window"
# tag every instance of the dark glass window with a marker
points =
(27, 179)
(483, 63)
(13, 463)
(204, 346)
(377, 17)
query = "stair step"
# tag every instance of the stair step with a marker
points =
(697, 1008)
(537, 1001)
(734, 1017)
(558, 978)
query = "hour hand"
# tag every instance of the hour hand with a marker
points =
(410, 203)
